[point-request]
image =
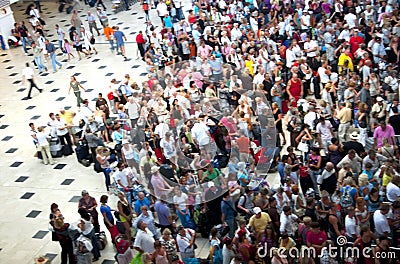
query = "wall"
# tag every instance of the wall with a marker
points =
(6, 23)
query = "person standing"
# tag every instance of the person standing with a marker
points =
(75, 85)
(89, 204)
(140, 42)
(23, 32)
(37, 56)
(119, 37)
(91, 19)
(61, 36)
(44, 146)
(51, 49)
(27, 74)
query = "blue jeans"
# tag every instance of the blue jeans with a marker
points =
(233, 226)
(25, 41)
(95, 250)
(60, 45)
(39, 63)
(111, 41)
(185, 219)
(107, 177)
(54, 61)
(277, 100)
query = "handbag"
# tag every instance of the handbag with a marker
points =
(303, 147)
(126, 127)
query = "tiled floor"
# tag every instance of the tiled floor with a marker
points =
(28, 187)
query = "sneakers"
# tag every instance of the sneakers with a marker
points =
(125, 59)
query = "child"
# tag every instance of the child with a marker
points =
(68, 49)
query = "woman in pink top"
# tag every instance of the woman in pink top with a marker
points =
(384, 130)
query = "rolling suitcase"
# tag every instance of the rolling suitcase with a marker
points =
(124, 258)
(82, 151)
(67, 150)
(55, 147)
(69, 9)
(61, 7)
(101, 240)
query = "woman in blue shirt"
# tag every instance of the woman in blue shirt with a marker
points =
(106, 212)
(243, 175)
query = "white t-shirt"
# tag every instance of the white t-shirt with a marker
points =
(168, 147)
(381, 223)
(351, 226)
(122, 176)
(392, 192)
(350, 19)
(42, 139)
(310, 45)
(144, 240)
(28, 73)
(162, 9)
(199, 132)
(181, 201)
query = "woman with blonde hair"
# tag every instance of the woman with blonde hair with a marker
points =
(387, 149)
(362, 213)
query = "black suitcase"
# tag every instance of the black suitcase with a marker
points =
(82, 152)
(61, 7)
(67, 150)
(168, 172)
(101, 240)
(69, 9)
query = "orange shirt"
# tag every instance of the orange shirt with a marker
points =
(243, 144)
(108, 31)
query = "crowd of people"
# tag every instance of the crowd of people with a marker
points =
(235, 90)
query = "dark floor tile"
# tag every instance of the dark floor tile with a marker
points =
(95, 60)
(143, 74)
(11, 150)
(21, 90)
(75, 199)
(89, 90)
(102, 67)
(40, 234)
(45, 74)
(35, 117)
(3, 126)
(59, 99)
(27, 195)
(54, 90)
(120, 23)
(126, 28)
(33, 214)
(109, 74)
(140, 17)
(59, 166)
(9, 67)
(7, 138)
(13, 74)
(67, 107)
(94, 99)
(52, 16)
(22, 179)
(108, 261)
(128, 59)
(5, 61)
(50, 35)
(24, 99)
(135, 66)
(1, 116)
(133, 13)
(50, 256)
(67, 181)
(30, 107)
(17, 82)
(16, 164)
(30, 55)
(77, 74)
(64, 60)
(70, 67)
(48, 13)
(49, 82)
(132, 33)
(83, 82)
(63, 20)
(114, 18)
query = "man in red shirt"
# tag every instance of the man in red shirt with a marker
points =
(244, 144)
(140, 42)
(316, 238)
(355, 41)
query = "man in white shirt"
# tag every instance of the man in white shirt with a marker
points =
(310, 117)
(62, 131)
(325, 132)
(162, 10)
(201, 135)
(351, 225)
(133, 109)
(351, 19)
(259, 78)
(392, 191)
(123, 179)
(44, 146)
(287, 219)
(186, 239)
(161, 129)
(310, 47)
(144, 241)
(27, 74)
(382, 227)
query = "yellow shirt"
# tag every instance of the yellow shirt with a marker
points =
(249, 65)
(342, 58)
(386, 179)
(67, 116)
(259, 224)
(344, 115)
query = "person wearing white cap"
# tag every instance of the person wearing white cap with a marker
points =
(259, 220)
(160, 186)
(378, 110)
(276, 92)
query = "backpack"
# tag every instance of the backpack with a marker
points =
(346, 200)
(217, 257)
(240, 211)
